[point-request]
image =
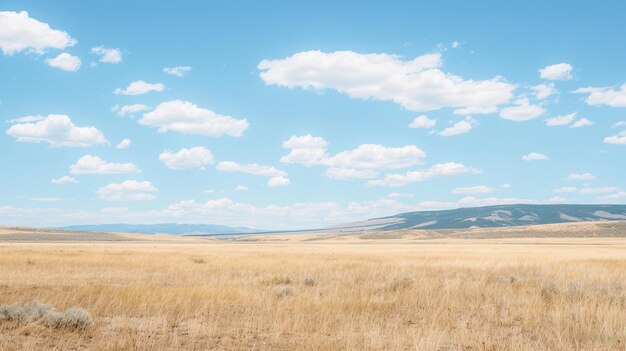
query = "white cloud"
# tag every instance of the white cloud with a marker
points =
(561, 120)
(619, 139)
(178, 71)
(95, 165)
(598, 190)
(58, 131)
(604, 96)
(614, 197)
(64, 180)
(399, 195)
(107, 55)
(455, 44)
(278, 181)
(129, 110)
(471, 201)
(566, 189)
(360, 163)
(139, 87)
(619, 124)
(479, 189)
(306, 150)
(187, 118)
(460, 127)
(423, 121)
(583, 122)
(195, 157)
(242, 188)
(506, 186)
(374, 156)
(543, 91)
(128, 190)
(534, 156)
(350, 173)
(560, 71)
(441, 169)
(581, 176)
(254, 169)
(27, 119)
(124, 144)
(416, 85)
(65, 62)
(19, 32)
(523, 110)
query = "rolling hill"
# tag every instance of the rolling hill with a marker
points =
(490, 216)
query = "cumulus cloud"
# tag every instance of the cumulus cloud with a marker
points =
(128, 190)
(534, 156)
(123, 144)
(423, 121)
(460, 127)
(95, 165)
(305, 150)
(19, 32)
(566, 189)
(139, 87)
(583, 122)
(471, 190)
(543, 91)
(253, 168)
(58, 131)
(438, 170)
(187, 118)
(107, 55)
(416, 85)
(604, 96)
(195, 157)
(522, 110)
(363, 162)
(242, 188)
(581, 176)
(129, 110)
(350, 173)
(178, 71)
(619, 139)
(64, 180)
(561, 120)
(278, 181)
(65, 62)
(598, 190)
(560, 71)
(374, 156)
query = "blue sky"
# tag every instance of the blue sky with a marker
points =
(291, 115)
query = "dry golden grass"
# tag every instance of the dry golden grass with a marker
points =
(453, 294)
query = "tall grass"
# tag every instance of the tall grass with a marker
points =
(461, 295)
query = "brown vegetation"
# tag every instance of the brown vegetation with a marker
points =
(452, 294)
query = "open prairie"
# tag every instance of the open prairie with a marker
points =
(399, 290)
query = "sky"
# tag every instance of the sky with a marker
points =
(293, 115)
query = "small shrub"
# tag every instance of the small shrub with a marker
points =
(283, 291)
(72, 318)
(308, 281)
(197, 260)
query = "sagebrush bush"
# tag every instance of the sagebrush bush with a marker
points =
(72, 318)
(284, 291)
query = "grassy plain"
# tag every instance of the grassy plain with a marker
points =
(321, 292)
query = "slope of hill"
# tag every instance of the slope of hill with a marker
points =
(163, 228)
(491, 216)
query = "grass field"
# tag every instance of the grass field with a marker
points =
(352, 294)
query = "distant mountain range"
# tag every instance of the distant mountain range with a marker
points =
(490, 216)
(163, 228)
(472, 217)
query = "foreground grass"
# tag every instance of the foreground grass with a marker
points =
(457, 295)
